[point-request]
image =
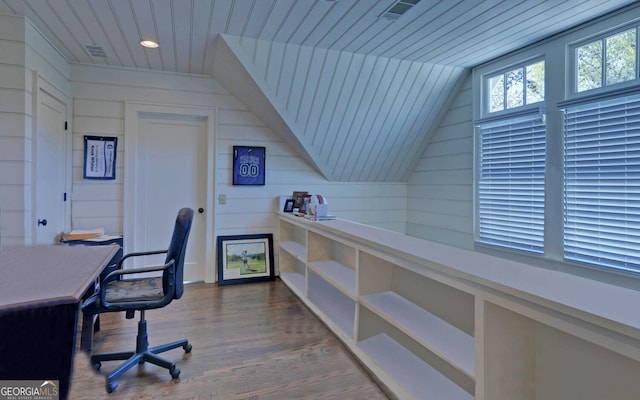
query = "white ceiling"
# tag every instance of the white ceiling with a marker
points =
(403, 70)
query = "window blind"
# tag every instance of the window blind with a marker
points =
(602, 183)
(511, 183)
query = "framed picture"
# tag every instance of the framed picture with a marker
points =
(100, 157)
(288, 206)
(298, 199)
(245, 258)
(248, 165)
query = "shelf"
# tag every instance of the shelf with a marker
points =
(295, 281)
(339, 309)
(295, 249)
(440, 337)
(413, 374)
(342, 277)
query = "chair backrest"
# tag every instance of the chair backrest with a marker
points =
(176, 251)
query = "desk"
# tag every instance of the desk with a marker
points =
(40, 291)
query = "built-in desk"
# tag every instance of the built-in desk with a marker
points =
(436, 322)
(40, 291)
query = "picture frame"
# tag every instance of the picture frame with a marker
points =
(100, 154)
(249, 165)
(245, 258)
(298, 199)
(288, 206)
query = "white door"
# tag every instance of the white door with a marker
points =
(171, 173)
(50, 168)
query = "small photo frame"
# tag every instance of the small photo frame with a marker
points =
(248, 165)
(245, 258)
(100, 157)
(298, 199)
(288, 206)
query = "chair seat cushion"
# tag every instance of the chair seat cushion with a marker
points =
(142, 289)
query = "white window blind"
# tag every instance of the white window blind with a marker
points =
(511, 183)
(602, 183)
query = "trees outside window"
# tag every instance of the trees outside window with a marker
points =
(517, 87)
(607, 61)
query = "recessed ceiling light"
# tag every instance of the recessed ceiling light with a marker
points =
(150, 44)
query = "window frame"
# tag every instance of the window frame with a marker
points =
(483, 115)
(560, 64)
(486, 92)
(572, 64)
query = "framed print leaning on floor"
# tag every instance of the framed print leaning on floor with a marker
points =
(245, 258)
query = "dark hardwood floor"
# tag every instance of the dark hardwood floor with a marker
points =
(253, 341)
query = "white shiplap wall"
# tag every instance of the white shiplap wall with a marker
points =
(27, 60)
(99, 105)
(440, 190)
(15, 129)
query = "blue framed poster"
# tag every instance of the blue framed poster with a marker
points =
(248, 165)
(100, 157)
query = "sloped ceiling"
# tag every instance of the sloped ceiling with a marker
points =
(356, 94)
(355, 117)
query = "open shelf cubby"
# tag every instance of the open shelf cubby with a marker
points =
(436, 316)
(293, 239)
(293, 271)
(339, 310)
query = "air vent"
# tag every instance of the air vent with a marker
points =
(96, 51)
(398, 8)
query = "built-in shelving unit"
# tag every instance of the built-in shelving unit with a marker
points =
(435, 322)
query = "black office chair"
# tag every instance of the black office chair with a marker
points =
(140, 294)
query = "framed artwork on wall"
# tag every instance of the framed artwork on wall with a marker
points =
(248, 165)
(245, 258)
(100, 157)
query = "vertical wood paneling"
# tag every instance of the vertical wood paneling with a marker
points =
(106, 21)
(147, 30)
(91, 25)
(351, 107)
(460, 33)
(330, 103)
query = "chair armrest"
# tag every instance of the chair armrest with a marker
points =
(138, 254)
(113, 275)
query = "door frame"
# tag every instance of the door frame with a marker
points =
(40, 85)
(134, 110)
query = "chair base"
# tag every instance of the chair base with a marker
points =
(142, 354)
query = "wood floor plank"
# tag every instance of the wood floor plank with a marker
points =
(250, 342)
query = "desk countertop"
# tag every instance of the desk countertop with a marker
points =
(49, 274)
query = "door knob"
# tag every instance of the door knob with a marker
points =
(42, 222)
(200, 210)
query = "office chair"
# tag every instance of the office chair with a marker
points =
(140, 294)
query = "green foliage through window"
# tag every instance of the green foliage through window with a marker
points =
(607, 61)
(517, 87)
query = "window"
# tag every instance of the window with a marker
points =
(511, 183)
(557, 150)
(602, 183)
(607, 61)
(511, 167)
(516, 88)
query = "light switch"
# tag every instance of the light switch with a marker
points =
(222, 199)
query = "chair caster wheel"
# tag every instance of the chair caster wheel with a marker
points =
(175, 372)
(111, 387)
(97, 365)
(187, 348)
